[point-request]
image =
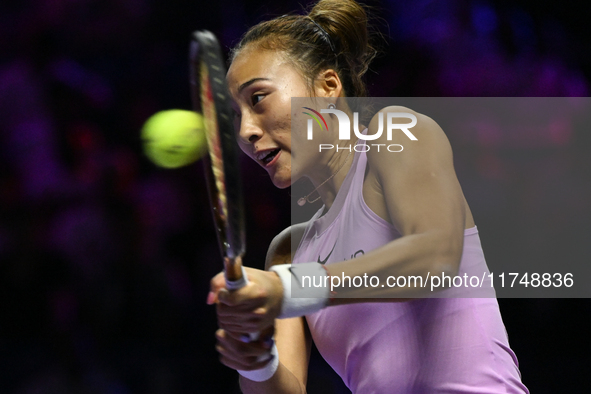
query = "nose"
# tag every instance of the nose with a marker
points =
(250, 131)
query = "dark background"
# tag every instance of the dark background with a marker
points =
(105, 259)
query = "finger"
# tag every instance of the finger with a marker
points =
(241, 344)
(248, 366)
(235, 321)
(238, 350)
(240, 361)
(241, 336)
(217, 282)
(233, 360)
(243, 324)
(235, 327)
(232, 323)
(264, 338)
(248, 296)
(238, 304)
(267, 336)
(211, 298)
(244, 361)
(227, 298)
(242, 311)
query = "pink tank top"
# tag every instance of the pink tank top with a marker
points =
(435, 345)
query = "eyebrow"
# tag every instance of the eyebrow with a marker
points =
(250, 82)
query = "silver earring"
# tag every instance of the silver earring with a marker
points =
(331, 106)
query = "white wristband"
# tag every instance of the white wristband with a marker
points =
(265, 373)
(300, 294)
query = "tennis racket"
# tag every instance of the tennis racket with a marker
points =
(211, 97)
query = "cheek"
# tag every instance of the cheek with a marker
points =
(243, 147)
(299, 124)
(280, 128)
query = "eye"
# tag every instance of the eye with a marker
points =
(256, 98)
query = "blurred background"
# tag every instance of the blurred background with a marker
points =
(105, 260)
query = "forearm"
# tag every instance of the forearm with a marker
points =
(416, 256)
(282, 382)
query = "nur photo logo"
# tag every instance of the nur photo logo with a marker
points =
(392, 119)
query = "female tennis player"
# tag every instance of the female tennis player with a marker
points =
(385, 214)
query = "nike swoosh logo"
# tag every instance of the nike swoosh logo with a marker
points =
(326, 259)
(295, 276)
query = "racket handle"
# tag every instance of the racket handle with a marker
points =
(239, 283)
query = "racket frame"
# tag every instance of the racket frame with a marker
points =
(211, 96)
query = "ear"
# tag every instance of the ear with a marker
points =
(328, 84)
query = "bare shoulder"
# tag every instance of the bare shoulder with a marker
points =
(410, 179)
(397, 118)
(406, 136)
(280, 250)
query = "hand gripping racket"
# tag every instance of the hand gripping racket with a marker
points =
(211, 97)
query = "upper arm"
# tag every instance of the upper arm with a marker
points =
(283, 246)
(419, 185)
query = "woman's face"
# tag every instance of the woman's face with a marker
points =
(262, 84)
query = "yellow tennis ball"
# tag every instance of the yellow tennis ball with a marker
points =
(174, 138)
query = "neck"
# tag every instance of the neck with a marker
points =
(328, 180)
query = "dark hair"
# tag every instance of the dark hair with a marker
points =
(334, 35)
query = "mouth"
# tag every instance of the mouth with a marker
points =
(268, 157)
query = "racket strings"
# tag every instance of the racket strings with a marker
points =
(213, 141)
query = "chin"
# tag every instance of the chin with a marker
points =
(281, 182)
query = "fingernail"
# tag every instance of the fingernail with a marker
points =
(268, 342)
(210, 298)
(245, 338)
